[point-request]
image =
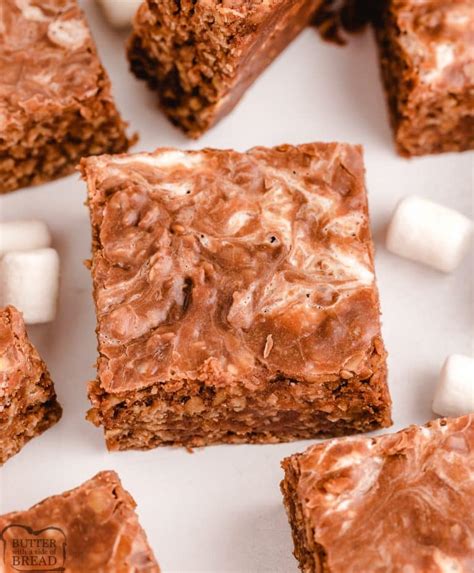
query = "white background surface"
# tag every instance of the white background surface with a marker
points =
(219, 510)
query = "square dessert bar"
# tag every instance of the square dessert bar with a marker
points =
(235, 296)
(427, 65)
(28, 404)
(393, 503)
(56, 104)
(201, 56)
(89, 529)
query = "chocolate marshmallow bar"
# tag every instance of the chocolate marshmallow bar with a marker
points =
(235, 296)
(28, 404)
(56, 104)
(400, 502)
(201, 56)
(427, 62)
(93, 528)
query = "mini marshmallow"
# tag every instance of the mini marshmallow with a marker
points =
(23, 236)
(29, 280)
(429, 233)
(454, 394)
(119, 13)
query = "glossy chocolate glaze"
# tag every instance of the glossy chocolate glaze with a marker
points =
(47, 59)
(231, 266)
(399, 502)
(97, 524)
(437, 38)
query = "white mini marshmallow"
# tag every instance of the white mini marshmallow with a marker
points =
(29, 280)
(23, 236)
(119, 13)
(454, 394)
(429, 233)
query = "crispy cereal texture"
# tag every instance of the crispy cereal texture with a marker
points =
(235, 295)
(94, 528)
(411, 490)
(428, 70)
(28, 404)
(56, 104)
(201, 56)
